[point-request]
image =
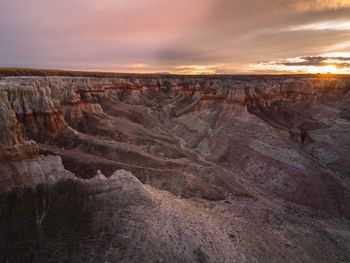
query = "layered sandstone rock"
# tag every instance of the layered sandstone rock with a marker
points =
(249, 163)
(205, 118)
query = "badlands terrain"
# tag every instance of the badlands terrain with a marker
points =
(156, 168)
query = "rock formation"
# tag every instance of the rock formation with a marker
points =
(189, 169)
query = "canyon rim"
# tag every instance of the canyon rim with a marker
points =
(148, 168)
(187, 131)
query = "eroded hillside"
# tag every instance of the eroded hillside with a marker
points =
(233, 169)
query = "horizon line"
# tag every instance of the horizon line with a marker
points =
(41, 71)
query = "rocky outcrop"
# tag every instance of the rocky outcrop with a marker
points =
(10, 130)
(118, 219)
(12, 144)
(20, 175)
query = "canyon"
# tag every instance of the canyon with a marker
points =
(167, 168)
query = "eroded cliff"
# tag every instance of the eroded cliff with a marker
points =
(269, 144)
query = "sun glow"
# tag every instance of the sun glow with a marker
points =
(326, 69)
(326, 25)
(196, 69)
(333, 63)
(323, 69)
(338, 54)
(136, 66)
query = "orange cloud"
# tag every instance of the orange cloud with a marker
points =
(136, 66)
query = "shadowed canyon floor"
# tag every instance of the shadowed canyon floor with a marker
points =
(175, 169)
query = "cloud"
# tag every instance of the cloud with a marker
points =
(339, 62)
(96, 34)
(244, 32)
(325, 25)
(117, 34)
(136, 66)
(307, 64)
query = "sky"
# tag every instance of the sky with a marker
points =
(182, 36)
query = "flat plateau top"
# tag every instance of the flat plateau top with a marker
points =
(12, 72)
